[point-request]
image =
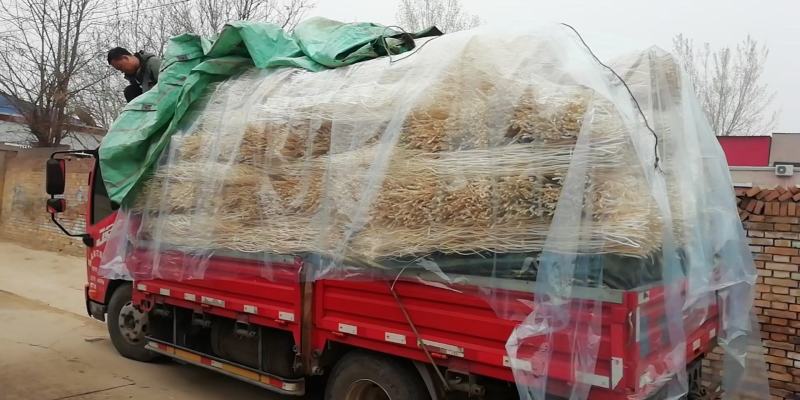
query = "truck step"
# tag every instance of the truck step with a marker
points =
(294, 387)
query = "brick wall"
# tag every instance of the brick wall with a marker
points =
(772, 220)
(23, 217)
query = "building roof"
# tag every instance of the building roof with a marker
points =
(10, 106)
(15, 134)
(6, 108)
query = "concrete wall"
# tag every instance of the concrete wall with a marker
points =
(763, 177)
(3, 156)
(23, 216)
(785, 148)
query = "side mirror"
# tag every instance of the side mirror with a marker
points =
(54, 180)
(55, 206)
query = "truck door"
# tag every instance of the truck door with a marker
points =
(100, 218)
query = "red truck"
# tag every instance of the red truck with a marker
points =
(393, 338)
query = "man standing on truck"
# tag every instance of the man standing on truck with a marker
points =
(140, 69)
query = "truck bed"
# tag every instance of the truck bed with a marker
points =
(464, 326)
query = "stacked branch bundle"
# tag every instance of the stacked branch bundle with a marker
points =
(412, 158)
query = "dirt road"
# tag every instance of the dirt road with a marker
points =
(50, 351)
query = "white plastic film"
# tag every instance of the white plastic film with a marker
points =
(483, 158)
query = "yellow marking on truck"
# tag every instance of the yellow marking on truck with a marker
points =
(240, 371)
(187, 355)
(223, 366)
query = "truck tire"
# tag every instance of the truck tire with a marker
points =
(126, 326)
(364, 376)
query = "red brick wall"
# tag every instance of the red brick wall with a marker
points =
(23, 217)
(773, 227)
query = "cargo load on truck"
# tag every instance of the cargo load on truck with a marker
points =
(483, 157)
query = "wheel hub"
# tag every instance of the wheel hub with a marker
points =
(132, 323)
(366, 389)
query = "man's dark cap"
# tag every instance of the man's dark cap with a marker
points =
(116, 53)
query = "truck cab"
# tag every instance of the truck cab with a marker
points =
(100, 215)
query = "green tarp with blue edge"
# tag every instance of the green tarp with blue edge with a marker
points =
(136, 139)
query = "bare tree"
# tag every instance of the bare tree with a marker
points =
(149, 24)
(729, 86)
(102, 102)
(207, 17)
(447, 15)
(135, 25)
(41, 59)
(143, 24)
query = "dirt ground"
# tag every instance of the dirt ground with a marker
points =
(49, 349)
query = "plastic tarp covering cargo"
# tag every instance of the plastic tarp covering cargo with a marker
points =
(480, 158)
(137, 138)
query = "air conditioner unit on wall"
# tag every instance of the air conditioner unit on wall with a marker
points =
(784, 170)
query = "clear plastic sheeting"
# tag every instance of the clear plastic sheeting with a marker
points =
(510, 161)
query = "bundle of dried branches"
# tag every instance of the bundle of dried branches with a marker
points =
(324, 163)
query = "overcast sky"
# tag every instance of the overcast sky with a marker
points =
(614, 27)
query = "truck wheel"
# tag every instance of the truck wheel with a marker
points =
(364, 376)
(127, 326)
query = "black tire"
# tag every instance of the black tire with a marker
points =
(126, 348)
(364, 376)
(278, 356)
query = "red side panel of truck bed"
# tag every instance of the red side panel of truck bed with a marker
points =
(230, 288)
(463, 331)
(463, 327)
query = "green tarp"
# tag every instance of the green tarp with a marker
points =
(136, 139)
